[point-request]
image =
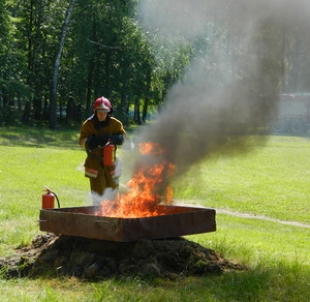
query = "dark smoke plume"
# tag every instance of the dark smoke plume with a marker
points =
(212, 113)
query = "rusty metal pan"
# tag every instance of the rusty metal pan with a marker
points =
(174, 221)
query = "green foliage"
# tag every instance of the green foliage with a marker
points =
(107, 52)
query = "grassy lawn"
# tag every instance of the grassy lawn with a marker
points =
(272, 181)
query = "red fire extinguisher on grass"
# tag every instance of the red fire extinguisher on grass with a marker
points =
(109, 154)
(48, 199)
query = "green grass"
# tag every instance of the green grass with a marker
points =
(272, 181)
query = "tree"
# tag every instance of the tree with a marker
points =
(53, 104)
(4, 45)
(12, 62)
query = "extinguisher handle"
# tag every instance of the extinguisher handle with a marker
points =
(47, 188)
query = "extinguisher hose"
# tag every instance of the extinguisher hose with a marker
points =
(56, 199)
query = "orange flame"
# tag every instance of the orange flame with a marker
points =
(145, 188)
(150, 148)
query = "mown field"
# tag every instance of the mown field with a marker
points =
(263, 219)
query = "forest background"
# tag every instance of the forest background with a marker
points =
(57, 56)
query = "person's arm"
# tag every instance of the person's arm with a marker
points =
(86, 132)
(93, 141)
(82, 142)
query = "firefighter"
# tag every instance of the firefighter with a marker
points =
(98, 131)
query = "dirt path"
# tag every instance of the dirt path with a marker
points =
(261, 217)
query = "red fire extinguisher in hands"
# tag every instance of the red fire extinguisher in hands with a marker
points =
(108, 154)
(48, 199)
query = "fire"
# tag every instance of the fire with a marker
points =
(150, 148)
(147, 187)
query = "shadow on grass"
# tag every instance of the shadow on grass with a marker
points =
(42, 137)
(39, 137)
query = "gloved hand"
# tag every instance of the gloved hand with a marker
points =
(95, 141)
(102, 140)
(117, 139)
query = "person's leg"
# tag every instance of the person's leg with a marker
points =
(98, 186)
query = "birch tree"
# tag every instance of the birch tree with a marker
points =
(53, 92)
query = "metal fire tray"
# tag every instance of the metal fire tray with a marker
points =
(173, 221)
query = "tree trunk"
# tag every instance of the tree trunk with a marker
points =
(137, 116)
(147, 95)
(53, 93)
